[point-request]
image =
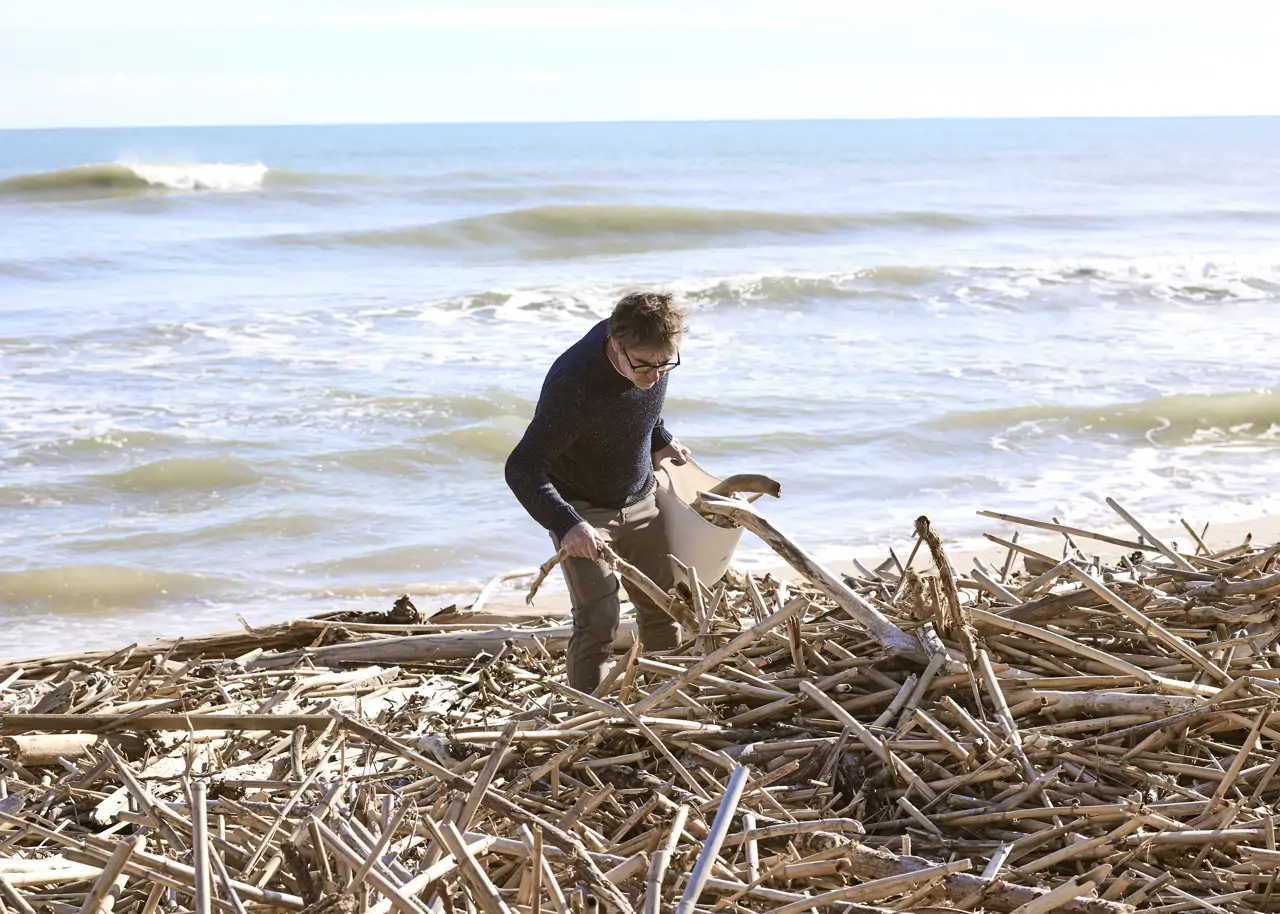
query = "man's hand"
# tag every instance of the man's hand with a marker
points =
(582, 541)
(678, 453)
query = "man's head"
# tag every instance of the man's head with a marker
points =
(644, 336)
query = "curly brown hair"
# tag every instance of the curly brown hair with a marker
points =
(648, 320)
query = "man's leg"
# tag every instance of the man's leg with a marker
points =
(593, 590)
(642, 540)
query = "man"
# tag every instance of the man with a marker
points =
(584, 470)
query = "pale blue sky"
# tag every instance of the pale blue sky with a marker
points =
(133, 62)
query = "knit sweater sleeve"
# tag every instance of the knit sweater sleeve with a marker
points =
(660, 437)
(556, 423)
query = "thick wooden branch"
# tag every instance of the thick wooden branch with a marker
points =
(878, 626)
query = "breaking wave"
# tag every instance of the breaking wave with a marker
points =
(127, 179)
(1051, 285)
(1173, 421)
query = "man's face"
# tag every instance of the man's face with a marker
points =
(641, 365)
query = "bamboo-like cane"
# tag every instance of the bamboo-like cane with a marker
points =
(13, 897)
(711, 847)
(376, 876)
(875, 890)
(659, 862)
(482, 887)
(106, 890)
(200, 850)
(1053, 900)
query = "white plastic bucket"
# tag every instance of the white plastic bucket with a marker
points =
(694, 540)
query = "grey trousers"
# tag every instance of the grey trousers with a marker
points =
(637, 535)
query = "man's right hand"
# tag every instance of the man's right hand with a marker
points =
(582, 541)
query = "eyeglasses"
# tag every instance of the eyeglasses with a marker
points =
(645, 367)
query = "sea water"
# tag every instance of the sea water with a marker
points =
(276, 370)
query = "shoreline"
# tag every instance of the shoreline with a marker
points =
(504, 603)
(1219, 536)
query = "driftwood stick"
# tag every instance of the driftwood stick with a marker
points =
(491, 767)
(87, 723)
(1201, 547)
(753, 846)
(868, 739)
(1003, 715)
(995, 588)
(535, 864)
(993, 620)
(71, 871)
(380, 845)
(146, 802)
(870, 864)
(1064, 529)
(48, 748)
(958, 622)
(543, 570)
(631, 574)
(1118, 736)
(996, 863)
(666, 602)
(447, 646)
(533, 846)
(265, 844)
(625, 713)
(1241, 757)
(436, 871)
(1149, 537)
(887, 634)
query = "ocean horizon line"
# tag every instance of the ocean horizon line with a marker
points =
(651, 121)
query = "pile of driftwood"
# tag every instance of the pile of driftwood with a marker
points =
(1046, 733)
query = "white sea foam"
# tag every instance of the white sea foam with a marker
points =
(200, 176)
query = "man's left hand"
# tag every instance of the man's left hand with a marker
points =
(675, 451)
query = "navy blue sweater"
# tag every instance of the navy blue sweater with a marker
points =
(591, 438)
